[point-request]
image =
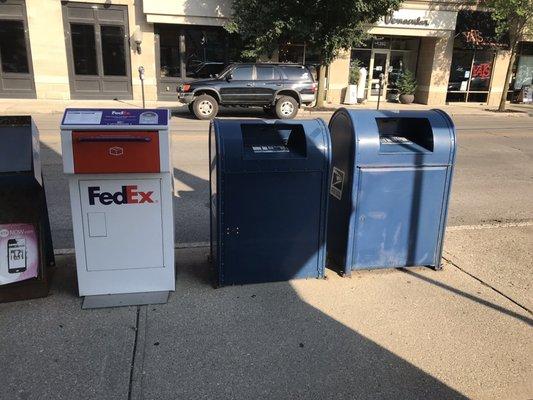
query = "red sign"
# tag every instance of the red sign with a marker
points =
(481, 71)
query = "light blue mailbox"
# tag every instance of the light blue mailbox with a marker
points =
(389, 188)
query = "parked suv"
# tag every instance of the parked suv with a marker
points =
(279, 88)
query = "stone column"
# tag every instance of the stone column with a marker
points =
(338, 72)
(48, 50)
(433, 72)
(499, 70)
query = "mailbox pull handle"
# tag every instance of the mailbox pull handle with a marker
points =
(115, 139)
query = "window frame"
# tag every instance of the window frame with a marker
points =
(30, 91)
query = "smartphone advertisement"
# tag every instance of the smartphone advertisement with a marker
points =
(19, 253)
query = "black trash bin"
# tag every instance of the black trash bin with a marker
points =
(268, 199)
(26, 249)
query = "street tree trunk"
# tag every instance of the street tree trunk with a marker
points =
(503, 99)
(321, 86)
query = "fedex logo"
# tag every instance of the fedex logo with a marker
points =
(120, 113)
(128, 195)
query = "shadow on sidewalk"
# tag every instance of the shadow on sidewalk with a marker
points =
(264, 341)
(476, 299)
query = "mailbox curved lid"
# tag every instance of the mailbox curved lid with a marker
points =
(397, 138)
(256, 145)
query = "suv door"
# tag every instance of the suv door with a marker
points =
(267, 83)
(240, 88)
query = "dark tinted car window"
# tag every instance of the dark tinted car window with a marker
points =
(243, 73)
(296, 72)
(266, 73)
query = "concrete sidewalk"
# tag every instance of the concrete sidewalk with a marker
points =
(33, 106)
(396, 334)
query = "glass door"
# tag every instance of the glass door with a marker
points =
(379, 64)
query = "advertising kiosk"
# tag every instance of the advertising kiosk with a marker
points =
(26, 250)
(118, 162)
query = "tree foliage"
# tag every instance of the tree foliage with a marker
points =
(326, 26)
(514, 17)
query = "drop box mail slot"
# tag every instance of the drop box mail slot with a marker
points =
(119, 215)
(115, 151)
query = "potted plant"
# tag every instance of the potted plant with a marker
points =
(406, 86)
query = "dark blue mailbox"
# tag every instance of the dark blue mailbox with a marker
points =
(269, 198)
(391, 177)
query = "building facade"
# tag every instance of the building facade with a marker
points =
(51, 49)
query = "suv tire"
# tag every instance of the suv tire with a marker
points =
(205, 107)
(286, 107)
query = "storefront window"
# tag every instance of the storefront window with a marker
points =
(400, 43)
(460, 71)
(475, 45)
(83, 49)
(470, 75)
(292, 53)
(386, 55)
(13, 47)
(113, 54)
(524, 70)
(205, 51)
(360, 58)
(192, 52)
(169, 51)
(481, 71)
(381, 42)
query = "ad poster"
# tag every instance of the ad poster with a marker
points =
(19, 253)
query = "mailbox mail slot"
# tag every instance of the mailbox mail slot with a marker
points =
(116, 152)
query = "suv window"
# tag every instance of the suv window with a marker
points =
(243, 73)
(296, 72)
(266, 73)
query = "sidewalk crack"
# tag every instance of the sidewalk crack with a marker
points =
(132, 365)
(488, 285)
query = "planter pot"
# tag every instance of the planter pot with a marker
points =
(407, 98)
(351, 95)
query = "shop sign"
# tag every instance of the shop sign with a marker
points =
(392, 20)
(19, 253)
(482, 71)
(477, 30)
(419, 19)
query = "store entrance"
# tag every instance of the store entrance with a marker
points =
(379, 64)
(391, 65)
(390, 56)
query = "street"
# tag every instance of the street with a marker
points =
(463, 332)
(492, 181)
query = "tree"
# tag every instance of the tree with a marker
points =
(326, 26)
(512, 17)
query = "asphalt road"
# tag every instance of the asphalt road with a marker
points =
(492, 183)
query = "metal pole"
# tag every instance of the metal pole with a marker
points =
(141, 77)
(142, 90)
